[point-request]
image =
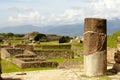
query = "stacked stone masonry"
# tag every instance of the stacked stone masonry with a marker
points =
(32, 61)
(116, 66)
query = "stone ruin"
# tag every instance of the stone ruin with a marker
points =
(116, 66)
(26, 58)
(0, 68)
(32, 61)
(95, 48)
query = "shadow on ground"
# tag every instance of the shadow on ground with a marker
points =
(11, 79)
(111, 71)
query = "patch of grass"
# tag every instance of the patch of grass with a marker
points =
(9, 67)
(104, 78)
(81, 58)
(41, 68)
(112, 39)
(59, 60)
(99, 77)
(14, 40)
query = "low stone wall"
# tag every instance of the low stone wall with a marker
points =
(34, 64)
(14, 51)
(25, 56)
(53, 46)
(55, 53)
(4, 53)
(20, 46)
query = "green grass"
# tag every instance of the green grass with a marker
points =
(53, 43)
(81, 58)
(104, 78)
(112, 39)
(60, 60)
(14, 40)
(9, 67)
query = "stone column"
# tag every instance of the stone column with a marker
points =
(95, 48)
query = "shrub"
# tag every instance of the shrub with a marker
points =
(40, 37)
(64, 39)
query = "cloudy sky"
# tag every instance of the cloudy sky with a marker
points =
(51, 12)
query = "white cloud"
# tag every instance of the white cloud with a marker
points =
(21, 9)
(108, 9)
(29, 18)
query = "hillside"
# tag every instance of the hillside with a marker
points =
(112, 39)
(64, 29)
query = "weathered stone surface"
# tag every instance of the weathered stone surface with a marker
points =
(55, 53)
(95, 24)
(95, 47)
(95, 64)
(30, 47)
(0, 67)
(94, 42)
(94, 35)
(117, 57)
(118, 40)
(118, 43)
(116, 66)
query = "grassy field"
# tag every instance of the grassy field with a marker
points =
(112, 39)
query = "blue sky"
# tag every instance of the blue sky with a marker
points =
(51, 12)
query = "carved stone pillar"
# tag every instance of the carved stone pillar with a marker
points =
(95, 48)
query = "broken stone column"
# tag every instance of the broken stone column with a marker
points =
(95, 48)
(116, 66)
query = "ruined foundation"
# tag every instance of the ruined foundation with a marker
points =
(116, 66)
(0, 67)
(118, 44)
(95, 48)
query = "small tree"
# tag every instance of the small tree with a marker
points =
(64, 39)
(40, 37)
(10, 34)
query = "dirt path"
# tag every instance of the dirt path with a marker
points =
(61, 74)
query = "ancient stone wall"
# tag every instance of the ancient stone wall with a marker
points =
(14, 51)
(55, 53)
(118, 43)
(7, 52)
(34, 63)
(0, 67)
(52, 46)
(116, 66)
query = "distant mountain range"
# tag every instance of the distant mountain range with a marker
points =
(68, 29)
